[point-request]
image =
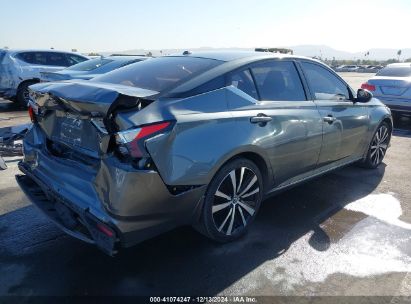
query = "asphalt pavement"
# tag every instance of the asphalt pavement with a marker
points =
(345, 234)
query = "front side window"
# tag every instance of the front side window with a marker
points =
(278, 80)
(159, 74)
(56, 59)
(243, 81)
(324, 84)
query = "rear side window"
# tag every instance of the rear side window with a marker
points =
(395, 71)
(159, 74)
(324, 84)
(278, 80)
(26, 57)
(33, 57)
(243, 81)
(214, 84)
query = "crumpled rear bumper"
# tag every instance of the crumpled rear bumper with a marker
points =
(134, 204)
(76, 222)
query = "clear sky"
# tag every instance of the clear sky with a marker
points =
(106, 25)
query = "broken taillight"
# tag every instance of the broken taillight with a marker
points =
(131, 142)
(32, 114)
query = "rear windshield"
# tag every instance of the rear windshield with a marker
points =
(89, 65)
(159, 74)
(395, 71)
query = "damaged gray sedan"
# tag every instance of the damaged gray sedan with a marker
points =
(198, 139)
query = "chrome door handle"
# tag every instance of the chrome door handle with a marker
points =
(260, 118)
(330, 119)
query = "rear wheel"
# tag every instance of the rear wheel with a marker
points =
(378, 147)
(22, 97)
(232, 200)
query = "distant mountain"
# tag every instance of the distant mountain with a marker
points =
(173, 51)
(322, 51)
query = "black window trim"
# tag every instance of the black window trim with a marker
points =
(246, 67)
(255, 83)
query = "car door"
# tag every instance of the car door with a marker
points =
(279, 117)
(30, 64)
(345, 122)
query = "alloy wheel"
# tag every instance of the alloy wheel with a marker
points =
(379, 145)
(235, 200)
(26, 95)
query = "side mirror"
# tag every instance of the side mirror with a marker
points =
(363, 96)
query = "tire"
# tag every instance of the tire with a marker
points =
(22, 97)
(378, 146)
(232, 201)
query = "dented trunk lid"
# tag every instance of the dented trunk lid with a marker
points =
(78, 116)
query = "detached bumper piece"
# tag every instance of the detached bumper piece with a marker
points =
(77, 223)
(8, 142)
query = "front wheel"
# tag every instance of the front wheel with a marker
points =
(232, 200)
(378, 146)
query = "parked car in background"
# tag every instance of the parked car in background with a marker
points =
(21, 68)
(90, 68)
(370, 69)
(347, 68)
(392, 85)
(195, 139)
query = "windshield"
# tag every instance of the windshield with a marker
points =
(159, 74)
(395, 71)
(89, 65)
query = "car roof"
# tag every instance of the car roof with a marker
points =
(15, 51)
(235, 55)
(231, 61)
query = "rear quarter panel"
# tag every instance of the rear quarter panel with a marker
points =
(205, 137)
